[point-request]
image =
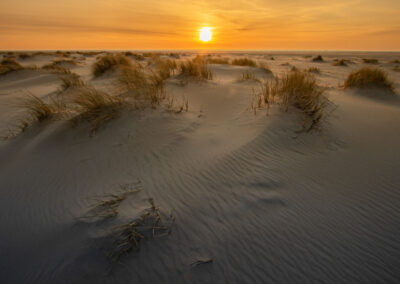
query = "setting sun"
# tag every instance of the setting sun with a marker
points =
(205, 34)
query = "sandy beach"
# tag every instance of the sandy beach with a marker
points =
(243, 192)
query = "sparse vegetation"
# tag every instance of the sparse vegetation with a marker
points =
(55, 68)
(174, 55)
(109, 62)
(315, 70)
(370, 61)
(95, 107)
(41, 110)
(37, 53)
(298, 89)
(196, 68)
(127, 237)
(61, 62)
(318, 59)
(8, 65)
(264, 66)
(244, 62)
(151, 55)
(368, 77)
(341, 62)
(89, 53)
(24, 55)
(144, 90)
(216, 60)
(165, 67)
(136, 56)
(107, 206)
(140, 87)
(132, 77)
(248, 76)
(73, 80)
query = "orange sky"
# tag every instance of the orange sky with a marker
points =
(237, 24)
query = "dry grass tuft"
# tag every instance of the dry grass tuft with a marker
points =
(165, 68)
(341, 62)
(264, 66)
(8, 65)
(298, 89)
(314, 70)
(24, 55)
(145, 90)
(146, 87)
(125, 234)
(368, 77)
(174, 55)
(60, 62)
(73, 80)
(107, 206)
(136, 56)
(248, 76)
(244, 62)
(370, 61)
(40, 110)
(214, 60)
(109, 62)
(95, 107)
(127, 237)
(196, 68)
(42, 53)
(56, 68)
(318, 59)
(89, 53)
(132, 77)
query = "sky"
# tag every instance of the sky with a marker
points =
(236, 24)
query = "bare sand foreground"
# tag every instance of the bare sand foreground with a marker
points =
(233, 192)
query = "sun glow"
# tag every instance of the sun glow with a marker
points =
(205, 34)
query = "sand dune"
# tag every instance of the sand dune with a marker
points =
(254, 198)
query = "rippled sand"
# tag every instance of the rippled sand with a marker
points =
(263, 202)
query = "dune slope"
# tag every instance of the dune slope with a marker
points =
(262, 201)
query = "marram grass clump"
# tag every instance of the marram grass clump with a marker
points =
(141, 88)
(244, 62)
(70, 81)
(109, 62)
(315, 70)
(370, 60)
(41, 109)
(218, 60)
(298, 89)
(248, 76)
(368, 77)
(125, 233)
(196, 68)
(340, 62)
(8, 65)
(318, 59)
(96, 107)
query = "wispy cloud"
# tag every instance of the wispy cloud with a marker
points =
(237, 23)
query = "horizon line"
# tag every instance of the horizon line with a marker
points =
(201, 50)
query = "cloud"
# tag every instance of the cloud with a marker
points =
(19, 23)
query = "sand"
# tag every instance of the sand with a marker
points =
(265, 203)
